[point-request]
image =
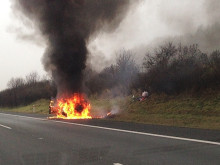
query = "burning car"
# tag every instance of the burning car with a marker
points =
(73, 107)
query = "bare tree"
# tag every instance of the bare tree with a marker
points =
(215, 61)
(15, 83)
(126, 69)
(32, 78)
(173, 69)
(161, 57)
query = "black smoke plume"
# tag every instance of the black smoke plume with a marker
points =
(67, 26)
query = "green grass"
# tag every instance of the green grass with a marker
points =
(200, 111)
(40, 106)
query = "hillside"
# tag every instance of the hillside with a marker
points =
(195, 111)
(199, 111)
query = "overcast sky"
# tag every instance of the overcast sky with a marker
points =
(155, 21)
(17, 57)
(149, 22)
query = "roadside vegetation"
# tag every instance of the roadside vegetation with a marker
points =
(23, 91)
(40, 106)
(198, 111)
(183, 83)
(195, 111)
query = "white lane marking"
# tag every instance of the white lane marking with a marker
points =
(5, 126)
(24, 116)
(126, 131)
(142, 133)
(117, 164)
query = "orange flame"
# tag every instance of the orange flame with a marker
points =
(74, 107)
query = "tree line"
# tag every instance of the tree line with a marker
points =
(169, 69)
(23, 91)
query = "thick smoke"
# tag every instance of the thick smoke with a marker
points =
(67, 25)
(207, 31)
(153, 23)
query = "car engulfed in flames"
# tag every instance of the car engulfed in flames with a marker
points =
(73, 107)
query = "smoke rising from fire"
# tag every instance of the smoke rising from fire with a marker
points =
(67, 26)
(155, 22)
(202, 28)
(149, 24)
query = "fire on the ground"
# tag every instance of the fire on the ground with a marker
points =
(73, 107)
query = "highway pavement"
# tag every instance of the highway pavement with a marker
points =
(36, 140)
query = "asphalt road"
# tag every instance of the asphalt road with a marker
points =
(35, 140)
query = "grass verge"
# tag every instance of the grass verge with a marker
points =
(40, 106)
(201, 111)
